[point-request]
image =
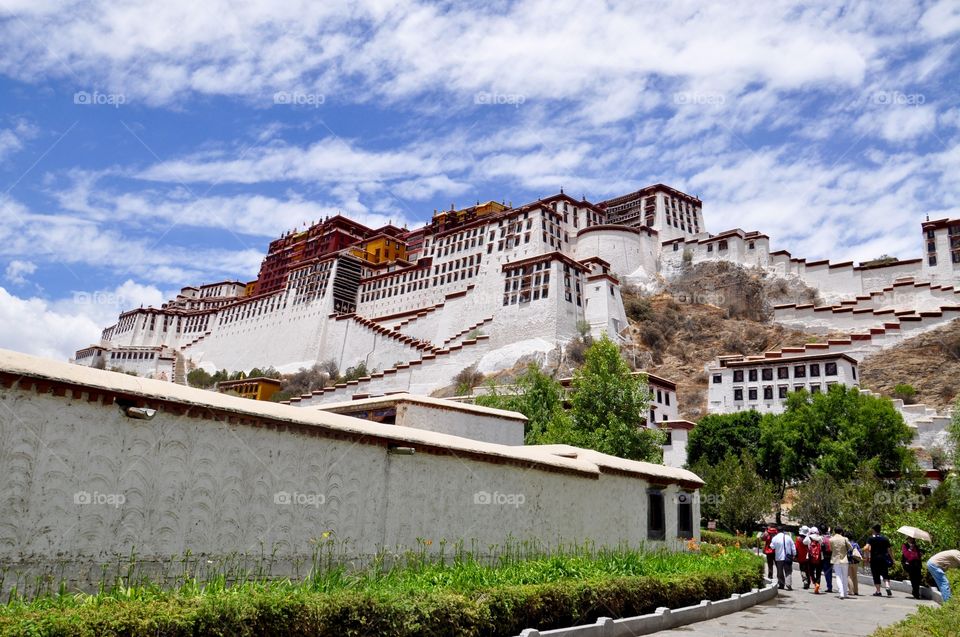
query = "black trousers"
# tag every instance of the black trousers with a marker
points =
(915, 573)
(770, 562)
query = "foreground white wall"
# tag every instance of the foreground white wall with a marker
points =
(214, 475)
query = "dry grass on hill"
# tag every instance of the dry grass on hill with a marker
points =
(929, 362)
(676, 341)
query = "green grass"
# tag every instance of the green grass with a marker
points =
(456, 594)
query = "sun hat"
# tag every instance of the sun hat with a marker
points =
(804, 530)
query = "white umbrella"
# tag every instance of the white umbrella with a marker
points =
(914, 532)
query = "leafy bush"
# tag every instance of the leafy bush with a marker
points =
(637, 308)
(906, 393)
(463, 598)
(466, 379)
(750, 541)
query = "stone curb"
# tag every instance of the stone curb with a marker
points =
(904, 587)
(663, 618)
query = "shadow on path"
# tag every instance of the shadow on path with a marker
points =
(799, 613)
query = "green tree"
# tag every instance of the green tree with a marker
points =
(718, 435)
(834, 432)
(609, 407)
(537, 396)
(734, 494)
(856, 502)
(199, 377)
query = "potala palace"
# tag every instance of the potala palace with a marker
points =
(487, 284)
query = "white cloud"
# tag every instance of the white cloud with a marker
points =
(366, 50)
(329, 160)
(67, 240)
(942, 19)
(17, 271)
(57, 329)
(899, 123)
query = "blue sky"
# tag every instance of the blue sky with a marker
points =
(147, 146)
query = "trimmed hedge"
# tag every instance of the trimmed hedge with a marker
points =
(501, 611)
(725, 539)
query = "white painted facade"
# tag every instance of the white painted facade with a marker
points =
(224, 477)
(738, 383)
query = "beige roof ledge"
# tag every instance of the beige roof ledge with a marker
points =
(404, 397)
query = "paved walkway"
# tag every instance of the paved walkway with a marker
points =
(799, 613)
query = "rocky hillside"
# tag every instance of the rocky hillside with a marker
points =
(929, 362)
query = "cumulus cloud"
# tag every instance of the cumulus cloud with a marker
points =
(366, 50)
(56, 329)
(17, 271)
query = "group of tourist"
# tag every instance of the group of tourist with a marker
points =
(830, 556)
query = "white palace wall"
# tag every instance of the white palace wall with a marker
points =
(625, 249)
(217, 475)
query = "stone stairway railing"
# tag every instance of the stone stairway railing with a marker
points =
(930, 427)
(907, 293)
(179, 369)
(467, 331)
(864, 342)
(415, 343)
(368, 384)
(195, 341)
(418, 314)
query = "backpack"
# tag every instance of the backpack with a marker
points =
(815, 551)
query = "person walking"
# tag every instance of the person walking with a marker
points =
(912, 559)
(880, 556)
(767, 536)
(814, 544)
(855, 557)
(936, 566)
(803, 556)
(827, 561)
(839, 548)
(784, 551)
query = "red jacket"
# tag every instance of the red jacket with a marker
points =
(767, 536)
(801, 550)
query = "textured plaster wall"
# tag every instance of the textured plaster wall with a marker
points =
(85, 485)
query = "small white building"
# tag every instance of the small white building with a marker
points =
(675, 446)
(436, 414)
(942, 249)
(740, 383)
